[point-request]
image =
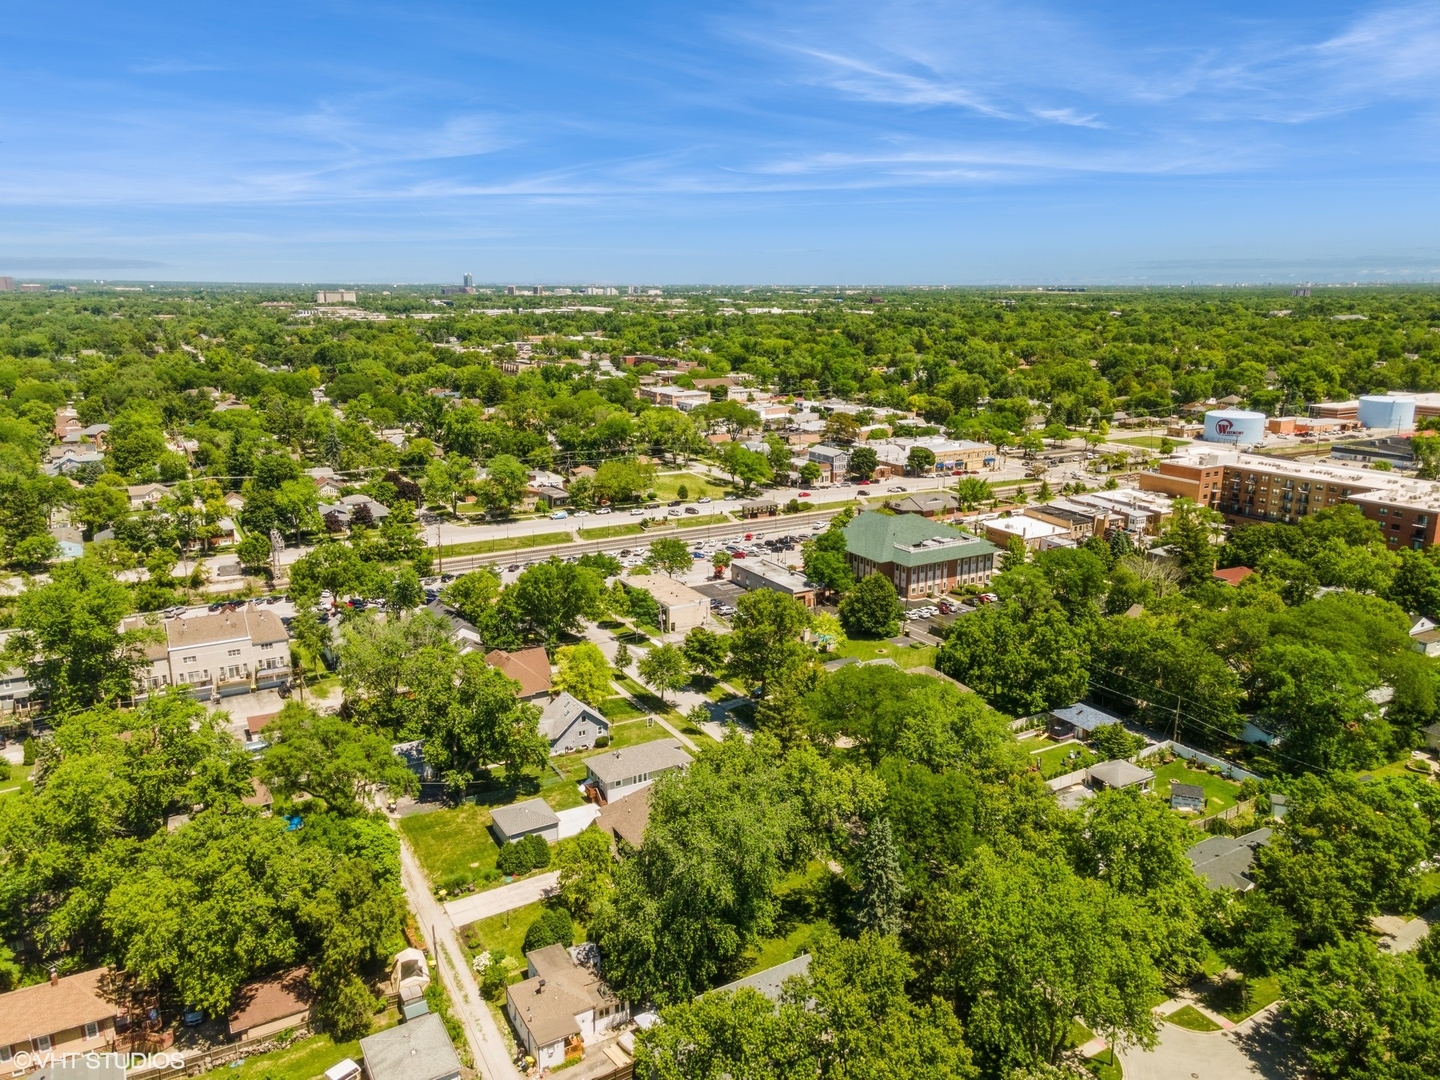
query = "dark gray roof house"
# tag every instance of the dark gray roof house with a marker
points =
(1119, 774)
(1079, 720)
(1224, 861)
(418, 1049)
(531, 816)
(617, 773)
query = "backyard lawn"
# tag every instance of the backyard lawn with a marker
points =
(906, 656)
(454, 842)
(1220, 794)
(1056, 760)
(619, 709)
(506, 932)
(15, 779)
(304, 1059)
(808, 900)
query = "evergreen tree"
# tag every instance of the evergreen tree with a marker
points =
(882, 880)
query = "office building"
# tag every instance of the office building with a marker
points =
(919, 556)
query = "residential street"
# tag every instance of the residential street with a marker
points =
(487, 1044)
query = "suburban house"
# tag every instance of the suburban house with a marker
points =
(528, 667)
(533, 816)
(554, 498)
(1189, 797)
(146, 496)
(570, 724)
(936, 505)
(770, 982)
(1079, 721)
(466, 637)
(1119, 774)
(347, 508)
(418, 1049)
(681, 607)
(217, 654)
(70, 1015)
(66, 459)
(69, 540)
(919, 556)
(269, 1006)
(768, 574)
(625, 819)
(1224, 861)
(617, 773)
(560, 1005)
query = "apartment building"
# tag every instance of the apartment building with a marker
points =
(1248, 488)
(218, 654)
(674, 397)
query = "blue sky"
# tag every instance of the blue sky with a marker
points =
(859, 142)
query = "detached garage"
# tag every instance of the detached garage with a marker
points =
(510, 823)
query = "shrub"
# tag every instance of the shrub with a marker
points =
(602, 741)
(1112, 741)
(537, 851)
(512, 860)
(553, 927)
(494, 981)
(29, 747)
(523, 855)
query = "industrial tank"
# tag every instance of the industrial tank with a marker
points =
(1234, 426)
(1386, 411)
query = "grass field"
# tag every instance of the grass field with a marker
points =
(619, 709)
(1220, 794)
(452, 842)
(1225, 998)
(609, 532)
(305, 1059)
(1150, 442)
(1192, 1019)
(667, 486)
(905, 655)
(15, 779)
(505, 543)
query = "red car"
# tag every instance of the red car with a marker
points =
(864, 483)
(738, 555)
(804, 495)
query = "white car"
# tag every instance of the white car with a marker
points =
(703, 499)
(603, 510)
(639, 511)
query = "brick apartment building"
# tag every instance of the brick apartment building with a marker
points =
(1250, 488)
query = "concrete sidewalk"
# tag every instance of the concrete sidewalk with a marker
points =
(482, 905)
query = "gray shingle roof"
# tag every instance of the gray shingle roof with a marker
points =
(1224, 861)
(1119, 773)
(561, 712)
(525, 817)
(770, 981)
(1084, 717)
(650, 757)
(418, 1049)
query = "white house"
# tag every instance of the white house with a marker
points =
(617, 773)
(561, 1005)
(569, 724)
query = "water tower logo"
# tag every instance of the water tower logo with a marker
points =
(1224, 427)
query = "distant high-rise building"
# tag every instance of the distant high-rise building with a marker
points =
(539, 290)
(1301, 290)
(633, 290)
(7, 284)
(334, 296)
(469, 280)
(510, 290)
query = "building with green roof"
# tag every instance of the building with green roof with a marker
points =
(921, 557)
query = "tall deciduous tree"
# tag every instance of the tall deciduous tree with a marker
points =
(665, 668)
(872, 608)
(670, 554)
(766, 638)
(584, 672)
(328, 758)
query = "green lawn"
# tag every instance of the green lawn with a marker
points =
(1056, 760)
(452, 842)
(619, 709)
(1149, 442)
(808, 901)
(1225, 997)
(304, 1059)
(906, 656)
(506, 932)
(16, 779)
(608, 532)
(505, 543)
(1394, 768)
(1220, 794)
(666, 486)
(1192, 1019)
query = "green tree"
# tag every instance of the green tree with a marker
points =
(745, 467)
(504, 484)
(583, 672)
(1190, 535)
(824, 557)
(863, 462)
(70, 642)
(552, 927)
(670, 554)
(254, 551)
(547, 600)
(882, 881)
(1112, 741)
(810, 473)
(405, 593)
(766, 637)
(920, 460)
(1255, 936)
(871, 608)
(706, 651)
(1357, 1013)
(327, 758)
(1020, 663)
(474, 594)
(665, 668)
(972, 491)
(586, 865)
(1031, 947)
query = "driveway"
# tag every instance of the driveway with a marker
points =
(482, 905)
(1253, 1049)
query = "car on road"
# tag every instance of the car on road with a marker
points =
(674, 511)
(703, 499)
(559, 515)
(513, 568)
(692, 510)
(603, 510)
(638, 511)
(895, 490)
(804, 495)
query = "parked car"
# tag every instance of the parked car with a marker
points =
(895, 490)
(692, 510)
(674, 502)
(192, 1016)
(559, 515)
